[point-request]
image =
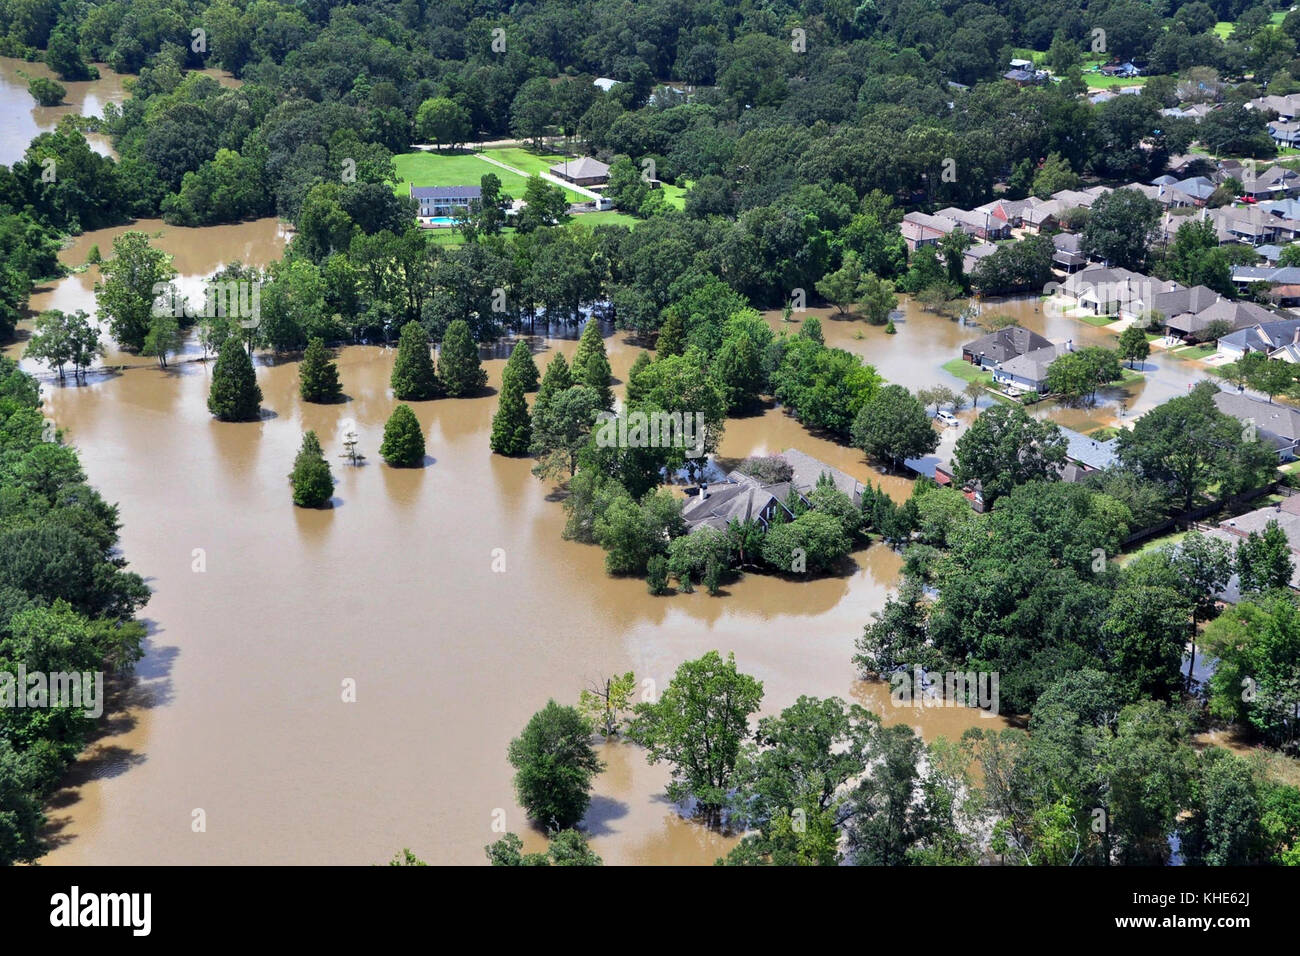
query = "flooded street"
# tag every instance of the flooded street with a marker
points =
(261, 611)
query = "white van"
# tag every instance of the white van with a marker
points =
(947, 418)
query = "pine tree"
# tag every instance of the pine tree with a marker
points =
(414, 378)
(318, 375)
(511, 428)
(403, 444)
(591, 365)
(459, 367)
(234, 395)
(557, 379)
(633, 390)
(672, 335)
(590, 342)
(312, 482)
(523, 367)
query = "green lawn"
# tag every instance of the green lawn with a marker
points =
(458, 169)
(967, 372)
(1098, 321)
(526, 159)
(1192, 353)
(1096, 81)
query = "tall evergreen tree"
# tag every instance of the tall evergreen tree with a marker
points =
(511, 428)
(557, 379)
(318, 375)
(672, 335)
(403, 444)
(414, 378)
(234, 395)
(523, 367)
(311, 479)
(634, 392)
(591, 364)
(459, 367)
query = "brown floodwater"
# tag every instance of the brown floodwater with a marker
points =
(24, 120)
(237, 708)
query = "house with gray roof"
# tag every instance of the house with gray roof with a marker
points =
(1028, 372)
(1003, 345)
(1238, 315)
(1266, 338)
(1089, 453)
(1279, 425)
(741, 497)
(444, 202)
(583, 171)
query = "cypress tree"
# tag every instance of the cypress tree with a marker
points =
(523, 367)
(414, 378)
(459, 367)
(511, 428)
(318, 375)
(403, 444)
(591, 365)
(633, 391)
(234, 395)
(557, 379)
(672, 335)
(312, 482)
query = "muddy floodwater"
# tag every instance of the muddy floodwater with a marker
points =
(261, 612)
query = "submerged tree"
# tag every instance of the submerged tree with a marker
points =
(311, 479)
(511, 431)
(414, 378)
(459, 368)
(554, 766)
(403, 444)
(318, 375)
(234, 395)
(522, 366)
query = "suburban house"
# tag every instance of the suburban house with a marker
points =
(1238, 315)
(1232, 531)
(1196, 112)
(1028, 372)
(582, 172)
(1040, 214)
(981, 225)
(444, 202)
(1084, 454)
(1245, 276)
(1009, 211)
(1167, 194)
(1200, 188)
(1182, 301)
(1276, 182)
(921, 229)
(1286, 107)
(1120, 69)
(1105, 291)
(1069, 255)
(1277, 339)
(741, 497)
(1284, 134)
(1279, 425)
(972, 256)
(1083, 198)
(997, 347)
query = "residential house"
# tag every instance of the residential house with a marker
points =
(1245, 276)
(1084, 454)
(1276, 182)
(1028, 372)
(1200, 188)
(444, 202)
(582, 172)
(1286, 135)
(741, 497)
(1106, 291)
(1273, 339)
(921, 229)
(997, 347)
(1238, 315)
(1009, 211)
(1069, 255)
(1279, 425)
(1286, 107)
(1083, 198)
(972, 256)
(1183, 301)
(1232, 531)
(1041, 215)
(981, 225)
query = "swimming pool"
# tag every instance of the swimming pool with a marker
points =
(440, 222)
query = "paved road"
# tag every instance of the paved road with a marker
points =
(582, 190)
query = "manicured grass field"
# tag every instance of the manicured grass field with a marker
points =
(525, 159)
(459, 169)
(1098, 321)
(1192, 353)
(967, 372)
(1097, 81)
